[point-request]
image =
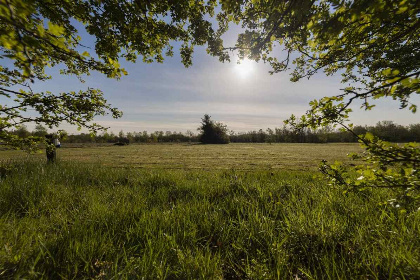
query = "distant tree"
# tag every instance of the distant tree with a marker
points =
(154, 137)
(130, 137)
(22, 131)
(213, 132)
(122, 139)
(190, 133)
(159, 135)
(261, 136)
(414, 130)
(40, 131)
(270, 136)
(145, 137)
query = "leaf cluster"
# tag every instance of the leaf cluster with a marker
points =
(384, 165)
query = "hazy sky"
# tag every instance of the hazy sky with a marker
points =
(171, 97)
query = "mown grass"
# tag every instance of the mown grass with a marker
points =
(283, 156)
(73, 221)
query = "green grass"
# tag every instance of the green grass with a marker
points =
(83, 221)
(283, 156)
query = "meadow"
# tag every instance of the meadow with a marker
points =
(189, 211)
(285, 156)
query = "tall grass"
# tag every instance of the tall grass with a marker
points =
(73, 221)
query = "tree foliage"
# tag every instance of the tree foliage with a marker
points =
(212, 132)
(38, 34)
(373, 44)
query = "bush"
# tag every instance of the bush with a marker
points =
(213, 133)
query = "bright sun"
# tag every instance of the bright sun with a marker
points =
(245, 68)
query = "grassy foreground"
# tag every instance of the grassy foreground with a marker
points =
(73, 221)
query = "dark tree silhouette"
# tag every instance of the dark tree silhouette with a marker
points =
(212, 132)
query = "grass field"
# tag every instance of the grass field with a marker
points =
(197, 212)
(209, 157)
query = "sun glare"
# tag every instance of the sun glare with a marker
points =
(244, 68)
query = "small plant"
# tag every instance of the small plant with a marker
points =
(385, 165)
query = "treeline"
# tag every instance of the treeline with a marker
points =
(133, 137)
(386, 130)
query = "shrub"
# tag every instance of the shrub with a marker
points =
(213, 132)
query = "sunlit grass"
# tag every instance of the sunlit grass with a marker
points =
(75, 221)
(281, 156)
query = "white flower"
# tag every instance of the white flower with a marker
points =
(360, 178)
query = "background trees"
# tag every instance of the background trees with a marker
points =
(385, 129)
(212, 132)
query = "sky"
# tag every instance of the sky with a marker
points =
(170, 97)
